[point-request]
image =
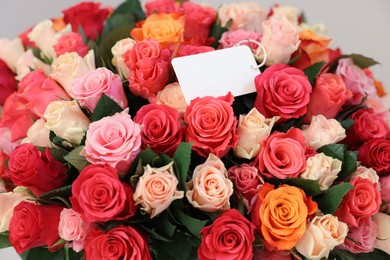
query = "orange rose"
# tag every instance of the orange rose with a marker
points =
(282, 213)
(164, 28)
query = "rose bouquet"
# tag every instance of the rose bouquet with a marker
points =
(102, 157)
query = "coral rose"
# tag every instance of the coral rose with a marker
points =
(376, 154)
(161, 6)
(71, 42)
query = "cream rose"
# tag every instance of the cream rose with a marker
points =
(10, 51)
(382, 222)
(367, 173)
(210, 188)
(291, 13)
(156, 189)
(172, 96)
(38, 134)
(28, 61)
(2, 186)
(322, 168)
(71, 66)
(118, 50)
(66, 120)
(252, 129)
(322, 131)
(322, 234)
(8, 201)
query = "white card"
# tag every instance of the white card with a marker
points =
(216, 73)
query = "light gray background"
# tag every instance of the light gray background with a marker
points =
(356, 26)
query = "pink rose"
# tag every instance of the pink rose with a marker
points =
(385, 188)
(73, 228)
(187, 49)
(361, 238)
(355, 80)
(329, 95)
(282, 91)
(282, 155)
(99, 196)
(247, 182)
(8, 83)
(161, 6)
(89, 88)
(280, 39)
(149, 68)
(113, 140)
(272, 255)
(231, 38)
(71, 42)
(161, 130)
(363, 200)
(156, 189)
(6, 143)
(210, 188)
(211, 125)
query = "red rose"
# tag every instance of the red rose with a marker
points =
(229, 237)
(98, 195)
(36, 170)
(89, 16)
(149, 68)
(34, 225)
(367, 126)
(376, 154)
(211, 125)
(71, 42)
(283, 155)
(363, 200)
(8, 83)
(282, 91)
(188, 49)
(121, 242)
(161, 130)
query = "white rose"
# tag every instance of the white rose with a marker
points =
(10, 51)
(252, 129)
(322, 131)
(38, 135)
(118, 50)
(28, 61)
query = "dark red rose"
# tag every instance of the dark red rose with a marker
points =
(34, 225)
(229, 237)
(8, 83)
(36, 170)
(376, 154)
(89, 16)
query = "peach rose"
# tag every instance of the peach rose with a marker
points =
(66, 120)
(366, 173)
(28, 61)
(252, 129)
(118, 50)
(281, 215)
(172, 96)
(8, 201)
(322, 131)
(322, 235)
(280, 39)
(322, 168)
(38, 134)
(156, 189)
(10, 51)
(210, 188)
(167, 29)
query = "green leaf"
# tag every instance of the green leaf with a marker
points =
(59, 141)
(347, 123)
(349, 164)
(313, 71)
(148, 156)
(82, 33)
(164, 225)
(329, 200)
(57, 196)
(341, 255)
(39, 253)
(217, 31)
(193, 225)
(188, 245)
(130, 7)
(182, 158)
(362, 61)
(139, 171)
(75, 159)
(105, 107)
(333, 150)
(153, 234)
(4, 241)
(311, 187)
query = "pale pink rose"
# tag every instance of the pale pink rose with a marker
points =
(355, 80)
(6, 143)
(70, 66)
(323, 131)
(382, 222)
(291, 13)
(89, 88)
(231, 38)
(9, 201)
(118, 50)
(28, 61)
(366, 173)
(10, 51)
(322, 235)
(280, 39)
(252, 129)
(73, 228)
(245, 15)
(156, 189)
(3, 187)
(66, 120)
(381, 106)
(210, 188)
(172, 96)
(322, 168)
(38, 135)
(113, 140)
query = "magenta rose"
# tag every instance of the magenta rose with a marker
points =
(230, 236)
(376, 154)
(71, 42)
(8, 83)
(34, 225)
(89, 16)
(282, 91)
(161, 130)
(36, 170)
(363, 200)
(98, 195)
(113, 140)
(211, 125)
(121, 242)
(282, 155)
(188, 49)
(89, 88)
